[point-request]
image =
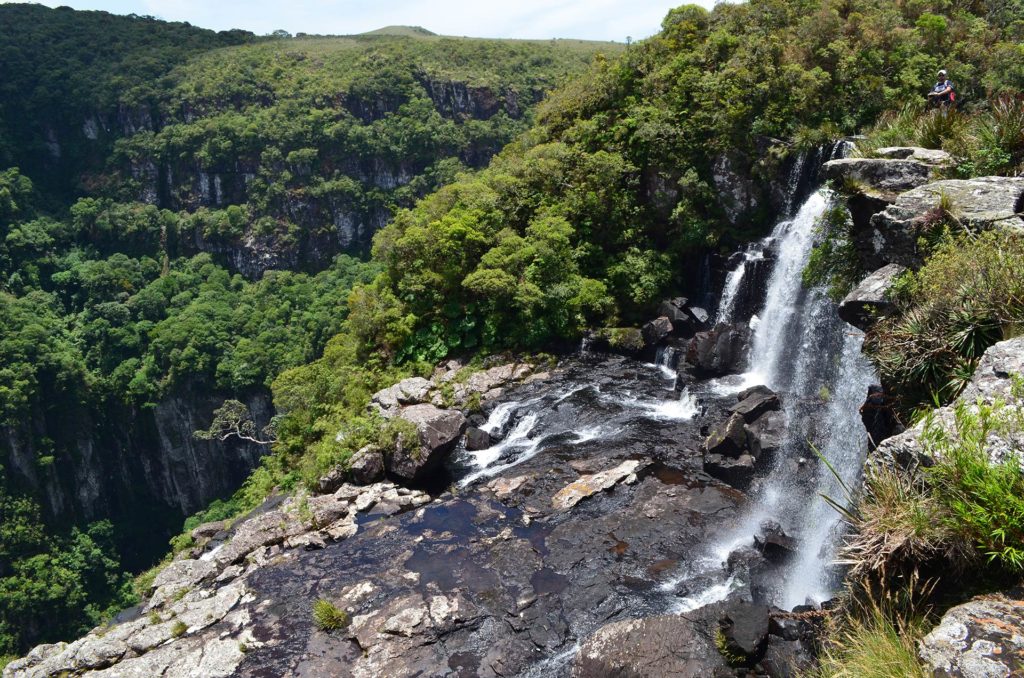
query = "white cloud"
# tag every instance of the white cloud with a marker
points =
(542, 19)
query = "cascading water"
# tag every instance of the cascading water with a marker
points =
(735, 277)
(802, 350)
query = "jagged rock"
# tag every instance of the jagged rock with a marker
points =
(719, 351)
(728, 439)
(477, 439)
(367, 465)
(745, 628)
(765, 435)
(978, 204)
(675, 310)
(438, 430)
(981, 638)
(588, 485)
(774, 543)
(879, 175)
(656, 330)
(869, 301)
(734, 471)
(879, 416)
(755, 401)
(208, 530)
(666, 645)
(928, 156)
(992, 381)
(179, 576)
(410, 391)
(786, 659)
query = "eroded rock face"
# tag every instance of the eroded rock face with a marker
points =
(438, 431)
(928, 156)
(869, 300)
(978, 204)
(881, 175)
(719, 351)
(982, 638)
(666, 645)
(993, 380)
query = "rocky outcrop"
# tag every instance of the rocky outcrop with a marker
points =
(869, 300)
(197, 620)
(667, 645)
(685, 318)
(746, 442)
(878, 175)
(450, 386)
(928, 156)
(588, 485)
(719, 351)
(993, 380)
(976, 204)
(438, 430)
(982, 638)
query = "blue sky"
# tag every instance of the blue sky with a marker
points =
(589, 19)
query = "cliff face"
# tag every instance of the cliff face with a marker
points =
(141, 467)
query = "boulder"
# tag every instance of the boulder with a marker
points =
(656, 330)
(765, 435)
(879, 175)
(774, 543)
(406, 392)
(981, 638)
(588, 485)
(787, 659)
(477, 439)
(755, 401)
(928, 156)
(438, 430)
(728, 439)
(869, 300)
(367, 465)
(978, 204)
(733, 471)
(675, 310)
(665, 645)
(719, 351)
(744, 626)
(993, 381)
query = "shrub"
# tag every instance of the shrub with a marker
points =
(179, 629)
(833, 261)
(968, 296)
(871, 643)
(328, 617)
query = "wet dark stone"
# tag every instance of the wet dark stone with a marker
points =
(786, 659)
(765, 436)
(879, 416)
(745, 628)
(756, 403)
(656, 330)
(719, 351)
(728, 439)
(477, 439)
(734, 471)
(774, 543)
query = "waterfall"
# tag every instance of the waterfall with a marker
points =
(802, 350)
(730, 291)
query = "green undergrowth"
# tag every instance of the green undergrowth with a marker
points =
(328, 617)
(968, 295)
(833, 263)
(985, 139)
(871, 640)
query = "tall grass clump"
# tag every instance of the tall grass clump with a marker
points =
(967, 296)
(328, 617)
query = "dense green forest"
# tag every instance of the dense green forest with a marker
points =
(181, 209)
(118, 285)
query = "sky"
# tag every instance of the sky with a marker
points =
(540, 19)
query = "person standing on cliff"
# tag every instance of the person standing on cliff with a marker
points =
(943, 94)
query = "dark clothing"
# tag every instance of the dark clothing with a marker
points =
(948, 97)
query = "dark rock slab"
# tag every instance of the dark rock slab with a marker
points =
(367, 465)
(656, 330)
(882, 175)
(774, 543)
(719, 351)
(879, 416)
(869, 300)
(745, 628)
(756, 403)
(765, 435)
(734, 471)
(728, 439)
(666, 645)
(477, 439)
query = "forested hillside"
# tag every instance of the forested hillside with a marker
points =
(178, 211)
(187, 215)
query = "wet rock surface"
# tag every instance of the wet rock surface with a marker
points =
(982, 638)
(719, 351)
